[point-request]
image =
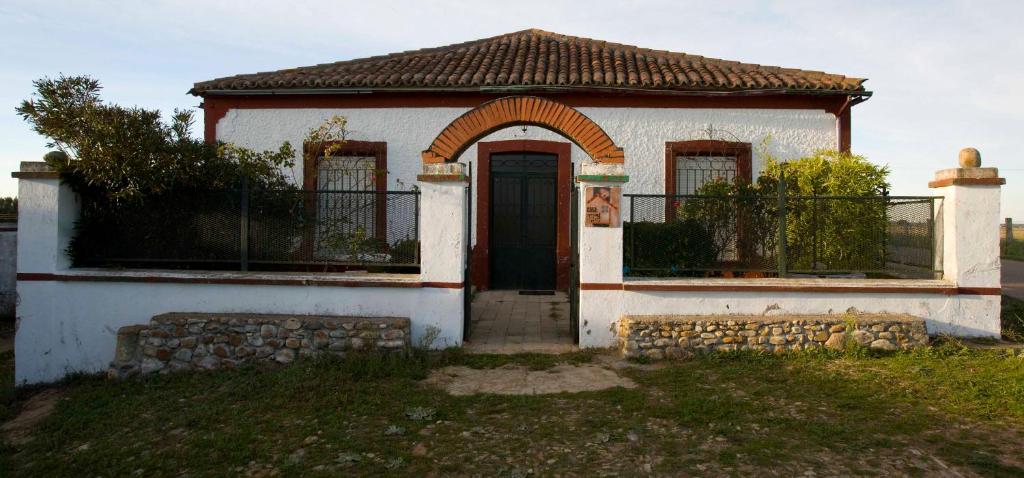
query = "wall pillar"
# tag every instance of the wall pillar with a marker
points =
(443, 223)
(970, 242)
(47, 211)
(600, 262)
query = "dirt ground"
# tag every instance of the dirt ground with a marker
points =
(18, 430)
(519, 380)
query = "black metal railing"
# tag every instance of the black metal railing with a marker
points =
(780, 236)
(255, 229)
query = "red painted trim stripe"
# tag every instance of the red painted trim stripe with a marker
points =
(600, 286)
(979, 291)
(443, 285)
(47, 277)
(895, 289)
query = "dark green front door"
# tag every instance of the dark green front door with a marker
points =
(523, 220)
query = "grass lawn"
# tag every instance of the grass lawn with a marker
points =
(734, 414)
(1013, 319)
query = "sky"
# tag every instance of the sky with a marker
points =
(945, 74)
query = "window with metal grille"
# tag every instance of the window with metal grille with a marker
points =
(351, 210)
(689, 165)
(347, 173)
(693, 172)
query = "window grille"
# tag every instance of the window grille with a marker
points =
(347, 217)
(693, 172)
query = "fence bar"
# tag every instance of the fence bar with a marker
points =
(781, 259)
(244, 225)
(885, 225)
(814, 226)
(1009, 229)
(632, 231)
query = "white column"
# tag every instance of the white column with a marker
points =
(970, 243)
(443, 252)
(600, 260)
(970, 224)
(443, 223)
(47, 211)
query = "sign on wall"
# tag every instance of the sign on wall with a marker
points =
(603, 206)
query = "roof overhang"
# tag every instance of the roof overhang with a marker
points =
(855, 96)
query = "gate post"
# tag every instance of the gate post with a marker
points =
(600, 252)
(47, 211)
(970, 243)
(443, 218)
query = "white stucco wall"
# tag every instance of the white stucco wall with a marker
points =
(641, 132)
(71, 326)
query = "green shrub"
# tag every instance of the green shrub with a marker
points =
(821, 233)
(669, 247)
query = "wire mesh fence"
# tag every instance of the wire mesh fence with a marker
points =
(780, 236)
(254, 230)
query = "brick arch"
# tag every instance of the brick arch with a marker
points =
(522, 110)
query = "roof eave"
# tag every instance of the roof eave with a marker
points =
(861, 93)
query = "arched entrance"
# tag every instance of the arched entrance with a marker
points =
(492, 245)
(522, 110)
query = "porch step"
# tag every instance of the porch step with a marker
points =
(183, 341)
(658, 337)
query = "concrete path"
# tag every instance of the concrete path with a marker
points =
(1013, 278)
(506, 322)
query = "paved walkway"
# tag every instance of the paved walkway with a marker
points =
(1013, 278)
(506, 322)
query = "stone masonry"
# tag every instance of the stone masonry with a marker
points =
(676, 336)
(185, 341)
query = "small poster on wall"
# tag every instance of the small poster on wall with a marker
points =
(602, 205)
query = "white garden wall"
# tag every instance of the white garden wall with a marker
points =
(68, 318)
(955, 314)
(68, 326)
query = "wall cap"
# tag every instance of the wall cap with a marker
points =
(597, 178)
(238, 278)
(967, 177)
(941, 183)
(35, 170)
(443, 172)
(442, 178)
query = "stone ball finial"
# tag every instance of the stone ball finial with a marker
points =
(970, 158)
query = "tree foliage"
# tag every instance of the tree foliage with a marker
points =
(8, 205)
(128, 153)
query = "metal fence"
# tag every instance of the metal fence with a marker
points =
(781, 236)
(254, 230)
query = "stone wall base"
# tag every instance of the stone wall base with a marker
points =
(189, 341)
(676, 336)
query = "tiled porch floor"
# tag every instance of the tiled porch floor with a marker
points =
(506, 322)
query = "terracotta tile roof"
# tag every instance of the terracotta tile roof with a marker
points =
(536, 59)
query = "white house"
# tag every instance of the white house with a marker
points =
(525, 118)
